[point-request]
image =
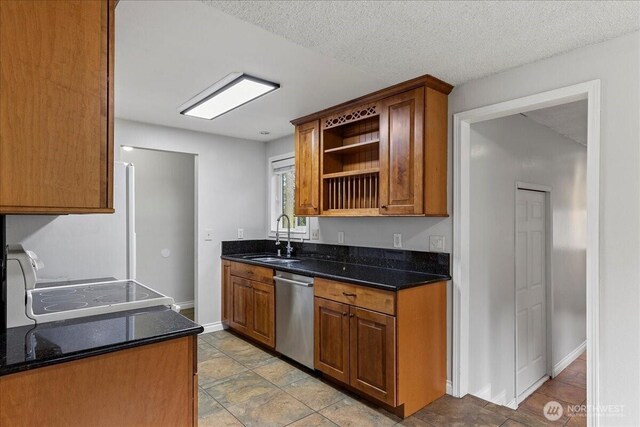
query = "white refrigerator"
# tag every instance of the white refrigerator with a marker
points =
(74, 247)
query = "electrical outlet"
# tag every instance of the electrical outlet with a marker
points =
(436, 243)
(340, 236)
(315, 234)
(208, 235)
(240, 233)
(397, 240)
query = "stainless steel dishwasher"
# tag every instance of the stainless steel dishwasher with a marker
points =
(294, 317)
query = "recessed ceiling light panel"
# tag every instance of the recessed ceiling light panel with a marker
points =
(228, 94)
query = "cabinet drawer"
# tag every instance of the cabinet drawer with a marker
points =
(252, 272)
(360, 296)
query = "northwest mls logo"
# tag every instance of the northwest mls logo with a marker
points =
(553, 411)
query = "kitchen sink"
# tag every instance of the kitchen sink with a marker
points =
(274, 260)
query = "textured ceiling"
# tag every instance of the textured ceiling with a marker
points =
(456, 41)
(569, 120)
(169, 51)
(324, 53)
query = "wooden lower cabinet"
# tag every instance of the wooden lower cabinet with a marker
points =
(263, 313)
(150, 385)
(399, 360)
(373, 354)
(242, 305)
(331, 339)
(249, 304)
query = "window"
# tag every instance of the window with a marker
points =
(281, 200)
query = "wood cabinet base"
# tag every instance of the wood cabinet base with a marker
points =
(398, 361)
(151, 385)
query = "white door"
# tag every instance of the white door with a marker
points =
(531, 328)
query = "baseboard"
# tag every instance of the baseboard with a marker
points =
(528, 392)
(513, 404)
(568, 359)
(185, 305)
(449, 389)
(212, 327)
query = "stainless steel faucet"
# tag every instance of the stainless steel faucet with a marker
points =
(289, 248)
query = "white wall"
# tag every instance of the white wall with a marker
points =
(617, 64)
(74, 247)
(228, 190)
(505, 151)
(164, 218)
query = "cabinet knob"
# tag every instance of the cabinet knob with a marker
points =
(352, 315)
(383, 206)
(344, 314)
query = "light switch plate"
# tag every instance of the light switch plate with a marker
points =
(340, 236)
(208, 235)
(397, 240)
(315, 234)
(436, 243)
(240, 233)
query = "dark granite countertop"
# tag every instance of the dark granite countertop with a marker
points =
(29, 347)
(366, 275)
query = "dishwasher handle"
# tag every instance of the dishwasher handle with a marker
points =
(293, 282)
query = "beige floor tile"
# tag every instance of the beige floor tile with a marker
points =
(351, 413)
(314, 393)
(239, 388)
(534, 405)
(216, 369)
(575, 378)
(517, 416)
(252, 357)
(206, 351)
(220, 419)
(207, 405)
(413, 421)
(459, 412)
(232, 346)
(313, 420)
(577, 421)
(275, 408)
(512, 423)
(280, 372)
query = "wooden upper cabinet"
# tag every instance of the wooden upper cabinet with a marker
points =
(401, 153)
(307, 152)
(56, 106)
(381, 154)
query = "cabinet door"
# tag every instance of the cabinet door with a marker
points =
(242, 304)
(401, 154)
(263, 313)
(56, 108)
(331, 347)
(227, 298)
(307, 152)
(373, 354)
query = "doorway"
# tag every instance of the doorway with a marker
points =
(589, 91)
(165, 206)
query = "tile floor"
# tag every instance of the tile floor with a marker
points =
(241, 384)
(188, 313)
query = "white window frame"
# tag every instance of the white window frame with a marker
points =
(273, 202)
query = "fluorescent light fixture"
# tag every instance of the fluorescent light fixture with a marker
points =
(127, 148)
(234, 90)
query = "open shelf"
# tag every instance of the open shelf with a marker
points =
(353, 148)
(350, 173)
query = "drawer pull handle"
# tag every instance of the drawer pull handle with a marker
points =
(347, 294)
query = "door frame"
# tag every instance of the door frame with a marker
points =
(548, 303)
(462, 121)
